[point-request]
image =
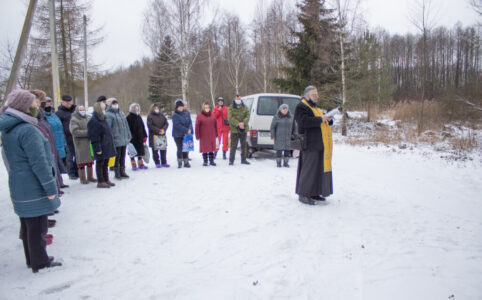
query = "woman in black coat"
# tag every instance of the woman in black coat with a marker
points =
(139, 135)
(100, 136)
(157, 125)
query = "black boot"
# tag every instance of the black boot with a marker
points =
(123, 173)
(117, 172)
(205, 159)
(179, 163)
(224, 155)
(286, 162)
(306, 200)
(186, 163)
(211, 159)
(318, 198)
(278, 162)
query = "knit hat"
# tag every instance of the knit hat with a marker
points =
(284, 105)
(20, 100)
(101, 98)
(178, 103)
(48, 99)
(66, 98)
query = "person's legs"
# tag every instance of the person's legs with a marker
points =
(118, 155)
(185, 157)
(205, 159)
(122, 163)
(106, 172)
(99, 170)
(35, 230)
(234, 145)
(71, 161)
(155, 157)
(279, 153)
(211, 159)
(178, 141)
(163, 158)
(286, 158)
(244, 149)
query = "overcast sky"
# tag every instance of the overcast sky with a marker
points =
(122, 21)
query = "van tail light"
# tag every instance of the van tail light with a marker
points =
(253, 133)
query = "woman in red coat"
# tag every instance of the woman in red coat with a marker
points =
(206, 132)
(221, 115)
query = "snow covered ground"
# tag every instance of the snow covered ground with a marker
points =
(400, 225)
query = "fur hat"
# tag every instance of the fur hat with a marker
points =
(66, 98)
(111, 101)
(20, 100)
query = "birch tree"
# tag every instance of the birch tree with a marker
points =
(181, 20)
(235, 50)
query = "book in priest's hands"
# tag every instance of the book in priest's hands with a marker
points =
(332, 112)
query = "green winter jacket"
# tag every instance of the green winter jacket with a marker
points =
(236, 115)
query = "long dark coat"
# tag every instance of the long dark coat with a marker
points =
(309, 125)
(206, 132)
(65, 114)
(100, 136)
(155, 122)
(281, 130)
(138, 132)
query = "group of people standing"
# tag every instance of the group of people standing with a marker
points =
(39, 145)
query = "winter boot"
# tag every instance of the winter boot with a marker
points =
(211, 159)
(205, 159)
(278, 162)
(83, 179)
(224, 155)
(285, 162)
(165, 165)
(103, 185)
(306, 200)
(186, 163)
(134, 164)
(179, 163)
(90, 174)
(110, 183)
(117, 173)
(245, 162)
(123, 173)
(141, 164)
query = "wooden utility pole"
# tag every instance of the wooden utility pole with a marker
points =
(86, 88)
(22, 44)
(53, 58)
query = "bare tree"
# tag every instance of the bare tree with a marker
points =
(181, 20)
(235, 50)
(422, 17)
(347, 15)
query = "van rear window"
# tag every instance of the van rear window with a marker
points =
(267, 106)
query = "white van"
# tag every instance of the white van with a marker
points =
(262, 108)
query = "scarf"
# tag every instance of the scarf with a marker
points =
(327, 138)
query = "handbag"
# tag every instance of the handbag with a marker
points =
(298, 141)
(160, 142)
(187, 143)
(111, 162)
(146, 156)
(131, 150)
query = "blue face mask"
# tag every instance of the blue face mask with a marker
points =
(103, 112)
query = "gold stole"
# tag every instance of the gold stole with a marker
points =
(327, 138)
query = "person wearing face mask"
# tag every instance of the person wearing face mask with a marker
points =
(238, 117)
(31, 171)
(282, 129)
(206, 133)
(181, 126)
(100, 135)
(122, 136)
(49, 134)
(314, 175)
(157, 125)
(139, 135)
(83, 157)
(64, 112)
(221, 114)
(58, 130)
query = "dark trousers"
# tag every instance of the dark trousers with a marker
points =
(155, 156)
(33, 232)
(71, 160)
(235, 137)
(180, 154)
(102, 170)
(279, 153)
(120, 158)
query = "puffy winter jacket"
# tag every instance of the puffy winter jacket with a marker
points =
(58, 130)
(181, 123)
(120, 128)
(31, 170)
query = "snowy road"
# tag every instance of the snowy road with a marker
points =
(399, 226)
